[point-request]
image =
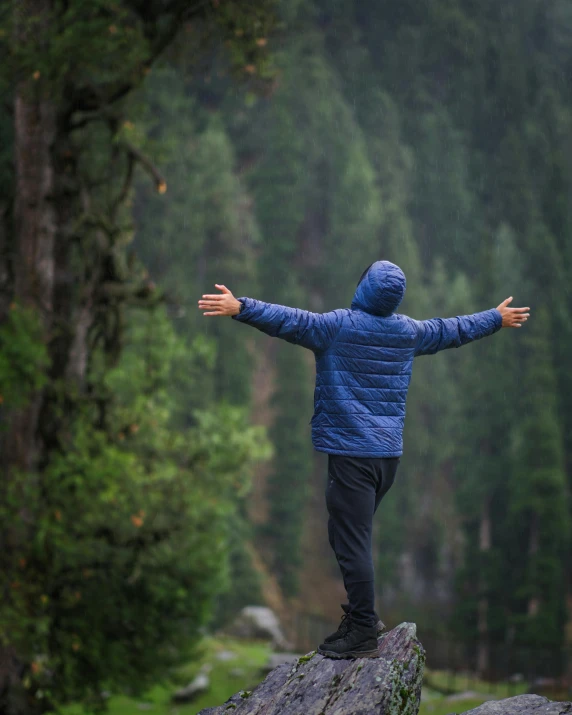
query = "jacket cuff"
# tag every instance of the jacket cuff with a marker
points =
(245, 313)
(498, 318)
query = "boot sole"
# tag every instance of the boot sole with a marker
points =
(354, 654)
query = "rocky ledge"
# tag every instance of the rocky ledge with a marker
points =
(521, 705)
(316, 685)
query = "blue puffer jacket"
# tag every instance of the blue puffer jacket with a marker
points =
(364, 356)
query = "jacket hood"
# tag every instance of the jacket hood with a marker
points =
(380, 290)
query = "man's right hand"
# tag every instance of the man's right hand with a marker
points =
(220, 303)
(512, 317)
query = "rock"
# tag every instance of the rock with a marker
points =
(236, 672)
(521, 705)
(258, 622)
(198, 686)
(468, 695)
(225, 655)
(316, 685)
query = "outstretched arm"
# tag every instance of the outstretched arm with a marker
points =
(442, 333)
(314, 331)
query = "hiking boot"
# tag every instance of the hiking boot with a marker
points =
(358, 642)
(345, 623)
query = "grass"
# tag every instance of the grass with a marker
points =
(250, 657)
(446, 682)
(440, 706)
(438, 682)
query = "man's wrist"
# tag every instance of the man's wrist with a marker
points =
(241, 307)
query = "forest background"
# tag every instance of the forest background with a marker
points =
(158, 462)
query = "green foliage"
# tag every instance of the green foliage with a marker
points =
(539, 507)
(247, 26)
(23, 356)
(96, 46)
(288, 480)
(129, 525)
(244, 582)
(118, 543)
(202, 232)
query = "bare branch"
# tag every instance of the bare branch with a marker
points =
(126, 183)
(138, 155)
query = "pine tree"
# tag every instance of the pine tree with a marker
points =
(539, 507)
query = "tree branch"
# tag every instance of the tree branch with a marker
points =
(147, 164)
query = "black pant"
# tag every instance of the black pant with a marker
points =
(355, 487)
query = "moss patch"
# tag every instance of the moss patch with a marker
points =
(403, 699)
(306, 658)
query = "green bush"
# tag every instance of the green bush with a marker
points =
(122, 538)
(23, 356)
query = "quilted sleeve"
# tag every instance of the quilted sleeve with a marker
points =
(314, 331)
(443, 333)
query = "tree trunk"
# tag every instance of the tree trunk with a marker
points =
(34, 230)
(5, 277)
(533, 601)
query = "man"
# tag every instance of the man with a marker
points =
(364, 356)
